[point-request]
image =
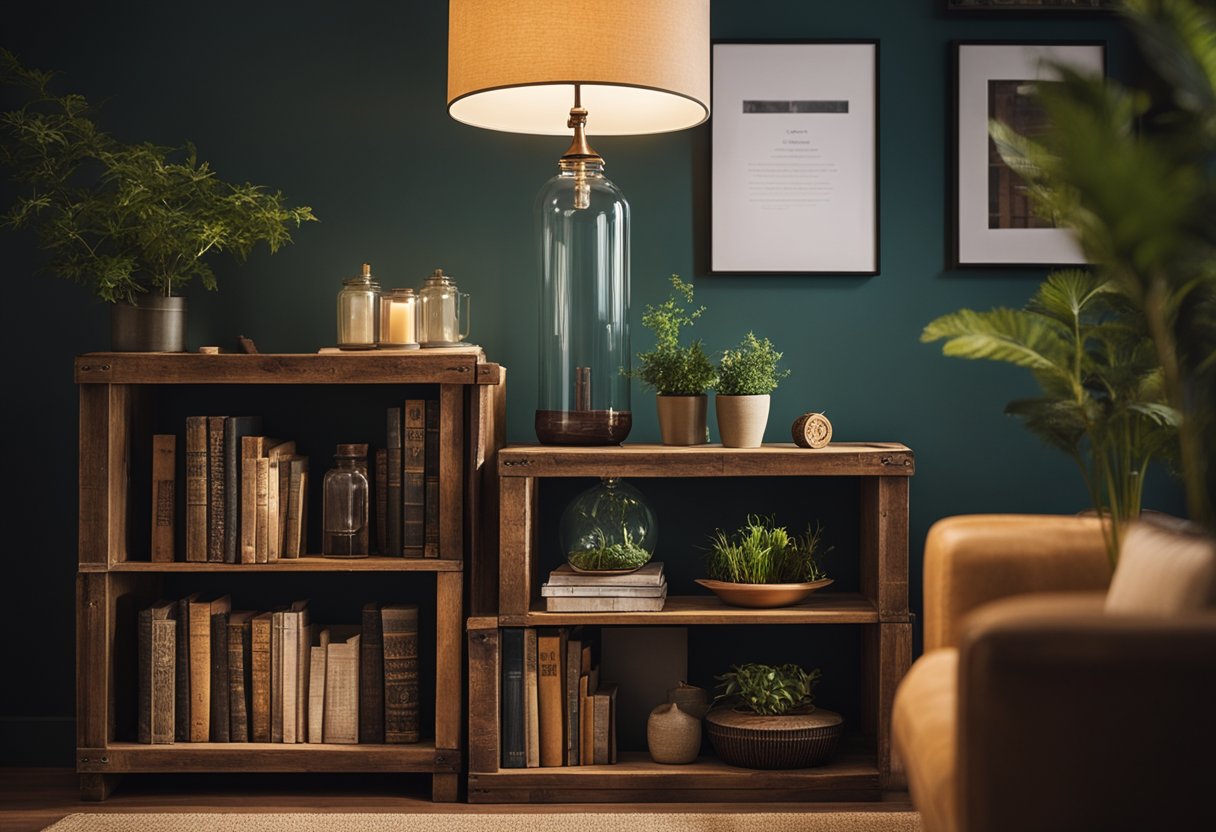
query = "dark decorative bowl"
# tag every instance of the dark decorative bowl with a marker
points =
(795, 740)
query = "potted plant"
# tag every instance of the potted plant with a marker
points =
(768, 718)
(678, 373)
(135, 222)
(747, 375)
(762, 565)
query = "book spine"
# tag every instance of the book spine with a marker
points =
(294, 488)
(260, 679)
(164, 496)
(220, 725)
(413, 479)
(239, 671)
(572, 663)
(400, 634)
(216, 513)
(531, 704)
(262, 537)
(316, 693)
(181, 674)
(303, 642)
(371, 676)
(164, 645)
(200, 673)
(291, 655)
(511, 663)
(600, 721)
(549, 699)
(249, 507)
(196, 489)
(392, 487)
(381, 500)
(430, 547)
(143, 720)
(276, 677)
(342, 692)
(274, 543)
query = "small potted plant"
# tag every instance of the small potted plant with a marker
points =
(747, 375)
(767, 718)
(679, 374)
(135, 222)
(762, 565)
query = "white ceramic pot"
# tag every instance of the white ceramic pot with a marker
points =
(741, 420)
(683, 420)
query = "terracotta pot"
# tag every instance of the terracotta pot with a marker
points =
(673, 736)
(793, 740)
(683, 420)
(762, 595)
(741, 420)
(153, 324)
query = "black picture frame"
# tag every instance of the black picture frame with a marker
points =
(1030, 8)
(765, 63)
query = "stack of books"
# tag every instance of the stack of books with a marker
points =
(644, 590)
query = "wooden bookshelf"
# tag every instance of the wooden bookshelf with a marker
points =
(120, 395)
(878, 473)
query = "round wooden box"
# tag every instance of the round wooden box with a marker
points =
(798, 740)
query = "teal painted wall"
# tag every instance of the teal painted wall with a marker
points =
(342, 107)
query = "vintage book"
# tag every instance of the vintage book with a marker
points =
(380, 498)
(511, 687)
(606, 603)
(649, 575)
(371, 675)
(295, 619)
(604, 729)
(276, 675)
(261, 540)
(531, 705)
(430, 465)
(585, 754)
(221, 725)
(260, 673)
(277, 475)
(571, 667)
(216, 514)
(399, 629)
(164, 496)
(303, 644)
(302, 498)
(392, 490)
(413, 479)
(317, 654)
(549, 591)
(252, 448)
(297, 500)
(157, 655)
(341, 719)
(181, 671)
(235, 428)
(550, 648)
(240, 672)
(196, 489)
(201, 610)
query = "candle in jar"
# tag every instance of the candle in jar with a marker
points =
(401, 322)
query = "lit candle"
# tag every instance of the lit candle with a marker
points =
(398, 318)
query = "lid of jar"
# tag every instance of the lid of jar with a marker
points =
(352, 449)
(438, 278)
(404, 292)
(364, 278)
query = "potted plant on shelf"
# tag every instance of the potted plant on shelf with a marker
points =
(135, 222)
(678, 373)
(768, 718)
(747, 376)
(762, 565)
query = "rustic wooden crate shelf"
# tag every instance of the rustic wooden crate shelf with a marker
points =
(304, 564)
(836, 608)
(132, 757)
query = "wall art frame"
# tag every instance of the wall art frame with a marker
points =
(794, 157)
(1023, 8)
(991, 222)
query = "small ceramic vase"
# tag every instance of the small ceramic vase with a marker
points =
(673, 736)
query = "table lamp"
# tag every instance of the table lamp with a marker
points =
(599, 67)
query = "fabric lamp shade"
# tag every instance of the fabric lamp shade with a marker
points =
(642, 66)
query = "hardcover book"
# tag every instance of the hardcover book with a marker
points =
(196, 489)
(604, 731)
(392, 492)
(318, 654)
(620, 603)
(240, 672)
(157, 655)
(512, 718)
(164, 496)
(413, 479)
(221, 725)
(295, 621)
(278, 468)
(201, 610)
(380, 499)
(649, 575)
(341, 721)
(260, 674)
(550, 647)
(276, 675)
(235, 429)
(216, 515)
(371, 675)
(571, 667)
(251, 450)
(261, 540)
(181, 671)
(531, 704)
(430, 538)
(297, 501)
(399, 624)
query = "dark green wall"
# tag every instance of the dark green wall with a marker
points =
(342, 107)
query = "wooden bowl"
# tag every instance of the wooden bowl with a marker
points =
(762, 595)
(794, 740)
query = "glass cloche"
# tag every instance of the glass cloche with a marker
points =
(609, 528)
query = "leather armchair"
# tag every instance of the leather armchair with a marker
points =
(1048, 698)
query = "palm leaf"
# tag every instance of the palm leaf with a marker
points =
(1013, 336)
(1061, 424)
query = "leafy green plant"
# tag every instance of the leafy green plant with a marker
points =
(605, 555)
(123, 218)
(672, 369)
(750, 369)
(770, 690)
(761, 552)
(1102, 398)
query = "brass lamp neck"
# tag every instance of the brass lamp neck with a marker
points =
(579, 150)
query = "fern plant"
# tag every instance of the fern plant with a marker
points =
(750, 369)
(672, 368)
(1103, 402)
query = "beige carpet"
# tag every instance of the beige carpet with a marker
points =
(555, 822)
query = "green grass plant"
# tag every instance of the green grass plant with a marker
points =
(761, 552)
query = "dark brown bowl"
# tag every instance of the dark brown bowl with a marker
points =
(750, 740)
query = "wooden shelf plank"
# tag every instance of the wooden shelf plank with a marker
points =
(124, 757)
(459, 365)
(312, 563)
(822, 608)
(842, 459)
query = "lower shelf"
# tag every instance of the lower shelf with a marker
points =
(853, 775)
(133, 757)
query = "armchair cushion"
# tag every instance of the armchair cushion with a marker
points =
(1163, 570)
(924, 735)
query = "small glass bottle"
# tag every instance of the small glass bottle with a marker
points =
(347, 501)
(399, 319)
(359, 312)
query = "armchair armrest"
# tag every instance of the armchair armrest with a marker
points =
(1082, 710)
(972, 559)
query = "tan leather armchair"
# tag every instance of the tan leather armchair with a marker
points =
(1049, 698)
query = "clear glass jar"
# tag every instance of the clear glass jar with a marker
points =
(346, 505)
(608, 528)
(359, 312)
(583, 222)
(443, 316)
(399, 319)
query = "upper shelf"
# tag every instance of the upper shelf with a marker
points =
(457, 365)
(842, 459)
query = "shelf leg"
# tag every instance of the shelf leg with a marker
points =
(445, 788)
(97, 787)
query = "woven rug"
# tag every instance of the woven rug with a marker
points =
(554, 822)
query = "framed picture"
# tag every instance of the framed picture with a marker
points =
(794, 149)
(991, 7)
(993, 224)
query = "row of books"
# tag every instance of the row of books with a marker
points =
(208, 673)
(556, 711)
(407, 481)
(643, 590)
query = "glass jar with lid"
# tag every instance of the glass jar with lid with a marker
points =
(609, 528)
(443, 316)
(346, 505)
(359, 311)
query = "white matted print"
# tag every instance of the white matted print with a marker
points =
(794, 141)
(994, 221)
